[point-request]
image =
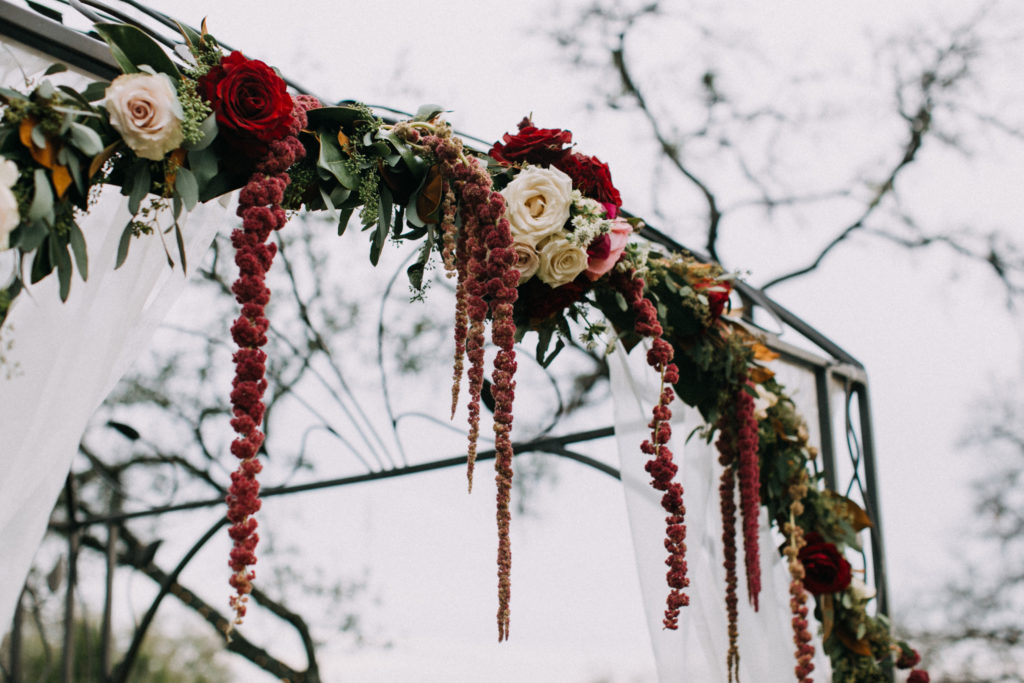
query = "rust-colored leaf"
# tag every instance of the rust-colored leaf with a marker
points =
(759, 375)
(859, 518)
(343, 139)
(828, 616)
(97, 162)
(61, 180)
(45, 156)
(176, 159)
(430, 196)
(861, 646)
(763, 353)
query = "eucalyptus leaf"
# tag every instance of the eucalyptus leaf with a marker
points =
(41, 264)
(131, 47)
(42, 200)
(208, 128)
(45, 90)
(140, 182)
(203, 164)
(29, 235)
(122, 245)
(77, 241)
(427, 112)
(62, 260)
(187, 187)
(38, 136)
(86, 139)
(55, 68)
(180, 239)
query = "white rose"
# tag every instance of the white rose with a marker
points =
(145, 110)
(538, 203)
(527, 261)
(9, 217)
(861, 591)
(561, 261)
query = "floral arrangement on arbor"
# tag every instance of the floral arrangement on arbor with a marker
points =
(534, 234)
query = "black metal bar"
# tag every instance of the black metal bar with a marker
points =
(828, 453)
(55, 39)
(871, 499)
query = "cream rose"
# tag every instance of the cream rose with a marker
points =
(561, 261)
(145, 110)
(527, 261)
(538, 203)
(9, 217)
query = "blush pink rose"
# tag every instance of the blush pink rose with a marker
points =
(603, 261)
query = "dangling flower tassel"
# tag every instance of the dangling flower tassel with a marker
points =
(485, 262)
(726, 492)
(259, 206)
(661, 467)
(750, 490)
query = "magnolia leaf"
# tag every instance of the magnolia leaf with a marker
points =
(343, 220)
(858, 645)
(191, 36)
(61, 180)
(131, 47)
(416, 164)
(97, 161)
(95, 91)
(123, 244)
(429, 201)
(763, 353)
(42, 201)
(759, 375)
(186, 186)
(332, 160)
(333, 118)
(77, 241)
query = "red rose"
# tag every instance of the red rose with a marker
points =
(250, 100)
(919, 676)
(591, 176)
(909, 658)
(717, 294)
(542, 146)
(827, 570)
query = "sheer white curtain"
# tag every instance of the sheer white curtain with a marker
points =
(697, 651)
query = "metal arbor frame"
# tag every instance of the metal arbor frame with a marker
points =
(843, 405)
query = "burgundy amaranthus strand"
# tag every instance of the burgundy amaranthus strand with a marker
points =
(486, 264)
(661, 467)
(738, 443)
(726, 491)
(259, 206)
(750, 491)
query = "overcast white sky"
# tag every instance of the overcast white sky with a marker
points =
(932, 332)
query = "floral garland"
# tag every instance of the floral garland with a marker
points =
(534, 234)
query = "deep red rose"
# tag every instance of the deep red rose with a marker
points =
(600, 248)
(590, 176)
(541, 302)
(827, 570)
(919, 676)
(541, 146)
(909, 658)
(250, 100)
(717, 293)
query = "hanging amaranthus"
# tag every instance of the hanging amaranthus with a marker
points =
(661, 467)
(726, 492)
(259, 206)
(485, 263)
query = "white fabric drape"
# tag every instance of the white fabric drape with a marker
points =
(65, 358)
(697, 650)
